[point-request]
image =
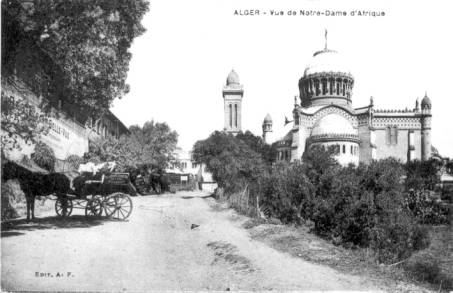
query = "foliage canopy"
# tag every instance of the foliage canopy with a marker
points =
(87, 42)
(153, 144)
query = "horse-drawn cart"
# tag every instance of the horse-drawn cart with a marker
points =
(108, 195)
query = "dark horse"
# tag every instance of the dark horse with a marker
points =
(36, 184)
(153, 178)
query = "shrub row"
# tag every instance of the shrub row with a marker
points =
(363, 206)
(367, 206)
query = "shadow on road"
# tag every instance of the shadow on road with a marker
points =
(17, 227)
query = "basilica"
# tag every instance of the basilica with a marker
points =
(323, 115)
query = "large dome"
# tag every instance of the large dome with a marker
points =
(327, 61)
(333, 124)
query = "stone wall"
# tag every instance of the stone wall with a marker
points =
(399, 150)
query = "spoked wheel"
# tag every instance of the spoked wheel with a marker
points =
(94, 207)
(63, 206)
(118, 206)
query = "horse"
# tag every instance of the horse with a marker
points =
(36, 184)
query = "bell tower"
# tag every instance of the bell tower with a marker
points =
(426, 128)
(232, 95)
(267, 129)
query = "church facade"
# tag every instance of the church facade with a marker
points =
(323, 115)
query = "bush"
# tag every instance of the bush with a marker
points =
(426, 267)
(362, 206)
(421, 181)
(13, 199)
(396, 237)
(286, 191)
(74, 161)
(426, 209)
(44, 156)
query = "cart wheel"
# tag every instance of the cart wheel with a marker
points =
(63, 206)
(118, 206)
(93, 207)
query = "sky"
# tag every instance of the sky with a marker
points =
(181, 63)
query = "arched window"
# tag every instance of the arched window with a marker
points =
(236, 115)
(231, 115)
(324, 86)
(351, 150)
(344, 89)
(392, 135)
(344, 149)
(317, 87)
(338, 88)
(332, 84)
(387, 135)
(336, 149)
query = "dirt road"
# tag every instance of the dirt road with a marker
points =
(156, 249)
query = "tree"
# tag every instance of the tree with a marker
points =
(257, 144)
(449, 166)
(422, 175)
(107, 149)
(231, 161)
(153, 145)
(86, 41)
(21, 123)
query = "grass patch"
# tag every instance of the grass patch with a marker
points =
(228, 253)
(300, 243)
(434, 264)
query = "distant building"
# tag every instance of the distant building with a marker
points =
(326, 117)
(185, 167)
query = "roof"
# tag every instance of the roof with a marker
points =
(286, 140)
(233, 78)
(426, 101)
(121, 127)
(362, 110)
(327, 61)
(313, 109)
(268, 118)
(391, 113)
(333, 124)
